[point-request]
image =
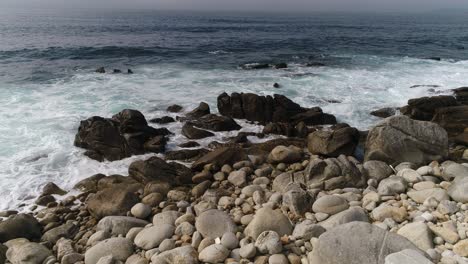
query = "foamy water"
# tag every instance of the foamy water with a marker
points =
(38, 122)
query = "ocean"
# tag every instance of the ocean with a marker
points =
(48, 81)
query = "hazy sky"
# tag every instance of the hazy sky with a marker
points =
(276, 5)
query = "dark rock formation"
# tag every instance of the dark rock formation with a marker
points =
(192, 132)
(334, 143)
(156, 169)
(384, 112)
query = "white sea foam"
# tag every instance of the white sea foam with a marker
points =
(38, 122)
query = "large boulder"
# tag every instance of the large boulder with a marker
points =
(299, 130)
(111, 201)
(202, 109)
(265, 109)
(454, 119)
(333, 143)
(119, 248)
(126, 134)
(191, 132)
(398, 139)
(423, 108)
(461, 94)
(156, 169)
(216, 123)
(20, 226)
(358, 243)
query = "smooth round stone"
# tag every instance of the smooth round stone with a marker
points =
(167, 244)
(278, 259)
(151, 237)
(330, 204)
(141, 210)
(248, 251)
(216, 253)
(229, 240)
(119, 248)
(214, 223)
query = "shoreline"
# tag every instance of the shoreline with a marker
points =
(286, 200)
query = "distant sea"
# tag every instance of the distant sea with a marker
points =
(48, 83)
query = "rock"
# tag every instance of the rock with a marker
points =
(424, 108)
(358, 243)
(156, 169)
(214, 223)
(377, 169)
(151, 237)
(353, 214)
(451, 170)
(180, 255)
(27, 252)
(166, 217)
(458, 190)
(418, 233)
(278, 259)
(407, 256)
(186, 154)
(89, 184)
(117, 247)
(216, 253)
(237, 178)
(333, 143)
(420, 196)
(20, 226)
(410, 175)
(191, 132)
(392, 185)
(267, 219)
(174, 108)
(229, 240)
(163, 120)
(397, 139)
(307, 230)
(330, 204)
(111, 201)
(44, 200)
(219, 157)
(141, 210)
(189, 144)
(276, 85)
(167, 244)
(297, 200)
(283, 154)
(385, 211)
(67, 230)
(268, 242)
(384, 112)
(52, 188)
(461, 248)
(100, 70)
(453, 119)
(202, 109)
(119, 225)
(265, 109)
(299, 130)
(216, 123)
(446, 234)
(447, 207)
(248, 251)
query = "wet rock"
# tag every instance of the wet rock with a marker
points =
(163, 120)
(52, 188)
(424, 108)
(397, 139)
(20, 226)
(202, 109)
(174, 108)
(191, 132)
(216, 123)
(220, 156)
(100, 70)
(384, 112)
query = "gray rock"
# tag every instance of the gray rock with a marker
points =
(378, 170)
(20, 225)
(351, 215)
(151, 237)
(392, 185)
(385, 211)
(297, 200)
(141, 210)
(119, 248)
(458, 190)
(214, 223)
(111, 201)
(278, 259)
(166, 217)
(307, 230)
(216, 253)
(283, 154)
(229, 240)
(267, 219)
(419, 234)
(452, 170)
(180, 255)
(330, 204)
(407, 256)
(27, 253)
(119, 225)
(248, 251)
(420, 196)
(357, 243)
(269, 242)
(109, 260)
(166, 245)
(399, 138)
(237, 178)
(67, 230)
(98, 237)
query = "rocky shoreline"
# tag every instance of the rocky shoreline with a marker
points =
(322, 192)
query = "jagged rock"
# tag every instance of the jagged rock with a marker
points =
(453, 119)
(333, 143)
(216, 123)
(67, 230)
(52, 188)
(185, 154)
(191, 132)
(287, 129)
(424, 108)
(202, 109)
(399, 138)
(156, 169)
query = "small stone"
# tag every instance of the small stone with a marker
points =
(407, 256)
(278, 259)
(237, 178)
(461, 248)
(248, 251)
(216, 253)
(229, 240)
(167, 244)
(330, 204)
(268, 242)
(392, 185)
(214, 223)
(141, 210)
(419, 234)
